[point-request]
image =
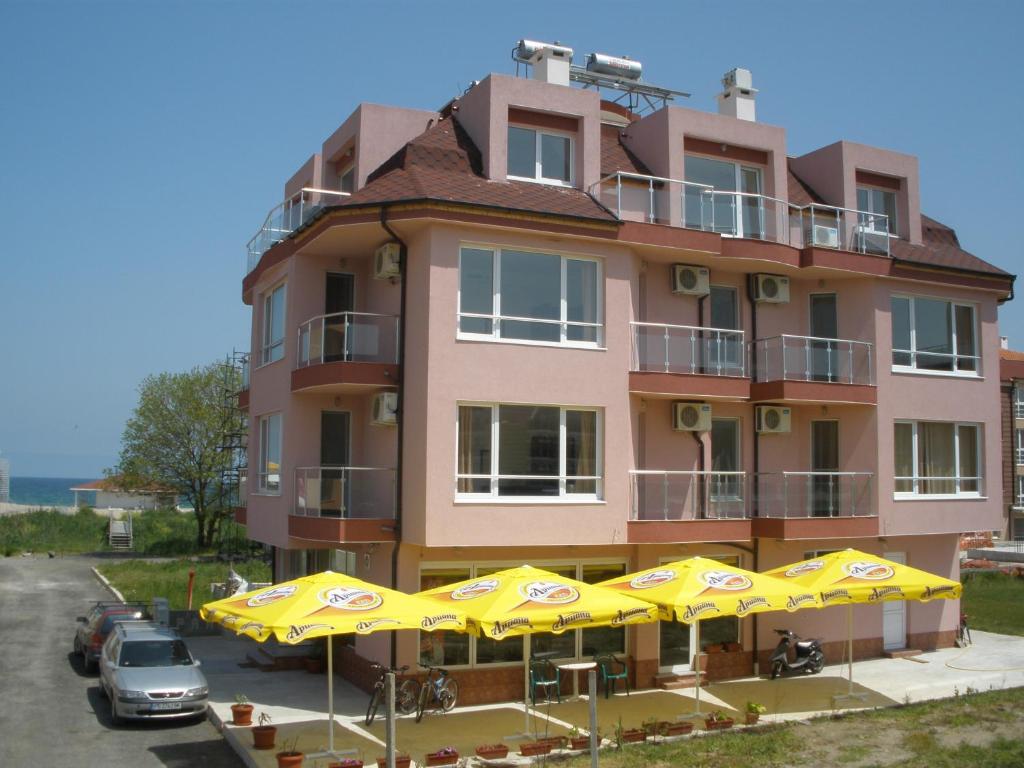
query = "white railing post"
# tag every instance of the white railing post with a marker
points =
(618, 195)
(665, 345)
(650, 201)
(664, 496)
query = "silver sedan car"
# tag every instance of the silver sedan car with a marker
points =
(147, 672)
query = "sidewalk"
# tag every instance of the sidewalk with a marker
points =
(296, 701)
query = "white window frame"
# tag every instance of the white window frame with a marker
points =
(957, 479)
(539, 177)
(349, 168)
(563, 497)
(563, 322)
(913, 351)
(1019, 452)
(1019, 497)
(267, 344)
(869, 225)
(492, 565)
(263, 473)
(739, 196)
(1018, 404)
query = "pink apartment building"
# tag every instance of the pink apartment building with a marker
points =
(536, 327)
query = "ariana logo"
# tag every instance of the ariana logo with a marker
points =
(879, 593)
(808, 567)
(549, 592)
(476, 589)
(270, 596)
(743, 607)
(253, 626)
(429, 622)
(350, 598)
(365, 626)
(298, 632)
(931, 592)
(501, 627)
(564, 620)
(831, 595)
(622, 617)
(867, 570)
(795, 601)
(652, 579)
(734, 582)
(692, 611)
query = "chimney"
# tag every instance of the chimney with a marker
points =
(1004, 342)
(737, 100)
(550, 61)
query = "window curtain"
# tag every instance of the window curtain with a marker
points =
(904, 457)
(474, 441)
(581, 450)
(935, 458)
(968, 457)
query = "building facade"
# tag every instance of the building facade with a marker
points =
(536, 327)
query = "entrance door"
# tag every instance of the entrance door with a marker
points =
(894, 614)
(824, 325)
(339, 298)
(335, 433)
(725, 490)
(723, 353)
(825, 494)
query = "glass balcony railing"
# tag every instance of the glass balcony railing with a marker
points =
(687, 349)
(682, 495)
(814, 494)
(345, 492)
(674, 202)
(245, 372)
(808, 358)
(287, 216)
(243, 488)
(349, 337)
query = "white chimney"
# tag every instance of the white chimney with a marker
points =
(737, 100)
(550, 61)
(1004, 342)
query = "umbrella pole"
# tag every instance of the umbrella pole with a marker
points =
(849, 661)
(526, 686)
(696, 663)
(330, 696)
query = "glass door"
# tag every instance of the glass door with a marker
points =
(725, 457)
(752, 219)
(824, 324)
(825, 494)
(338, 329)
(335, 452)
(723, 353)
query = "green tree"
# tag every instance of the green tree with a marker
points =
(179, 437)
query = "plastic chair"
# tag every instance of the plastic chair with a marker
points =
(612, 669)
(545, 675)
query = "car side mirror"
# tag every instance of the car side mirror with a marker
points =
(80, 619)
(197, 662)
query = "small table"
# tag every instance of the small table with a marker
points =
(576, 667)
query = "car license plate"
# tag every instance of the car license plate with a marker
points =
(164, 705)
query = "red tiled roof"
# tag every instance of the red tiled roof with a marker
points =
(799, 192)
(1011, 354)
(615, 156)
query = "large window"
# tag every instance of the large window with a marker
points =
(534, 451)
(270, 453)
(273, 325)
(712, 202)
(446, 648)
(536, 155)
(877, 210)
(529, 297)
(936, 458)
(933, 335)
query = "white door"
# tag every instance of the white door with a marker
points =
(894, 614)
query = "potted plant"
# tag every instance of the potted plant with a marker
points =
(754, 712)
(290, 756)
(716, 721)
(577, 740)
(634, 735)
(650, 726)
(241, 710)
(264, 734)
(556, 742)
(401, 761)
(533, 748)
(492, 751)
(673, 730)
(443, 756)
(348, 762)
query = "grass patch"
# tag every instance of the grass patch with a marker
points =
(142, 581)
(985, 600)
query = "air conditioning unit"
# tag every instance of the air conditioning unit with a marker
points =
(771, 289)
(772, 419)
(826, 237)
(387, 261)
(385, 409)
(690, 280)
(691, 417)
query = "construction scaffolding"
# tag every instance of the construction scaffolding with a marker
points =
(235, 421)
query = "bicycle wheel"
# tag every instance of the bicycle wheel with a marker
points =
(448, 695)
(421, 702)
(407, 696)
(375, 697)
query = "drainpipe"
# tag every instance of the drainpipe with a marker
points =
(756, 505)
(403, 258)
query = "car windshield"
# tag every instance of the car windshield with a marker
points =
(154, 653)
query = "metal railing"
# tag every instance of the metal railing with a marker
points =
(687, 495)
(345, 492)
(814, 494)
(361, 337)
(809, 358)
(287, 216)
(687, 349)
(688, 204)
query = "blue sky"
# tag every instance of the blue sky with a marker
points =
(141, 144)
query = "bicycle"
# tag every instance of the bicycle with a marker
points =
(407, 693)
(443, 689)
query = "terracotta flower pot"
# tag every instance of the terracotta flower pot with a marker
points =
(579, 742)
(492, 751)
(556, 742)
(401, 761)
(634, 735)
(289, 759)
(532, 748)
(669, 728)
(442, 758)
(753, 717)
(718, 725)
(263, 736)
(350, 762)
(241, 714)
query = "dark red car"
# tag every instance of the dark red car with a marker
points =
(93, 628)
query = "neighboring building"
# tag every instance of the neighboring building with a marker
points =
(1011, 375)
(111, 493)
(5, 480)
(536, 327)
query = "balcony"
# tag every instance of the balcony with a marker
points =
(810, 369)
(344, 504)
(241, 501)
(687, 361)
(286, 217)
(808, 505)
(347, 352)
(677, 506)
(678, 203)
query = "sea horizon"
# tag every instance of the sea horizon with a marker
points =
(45, 491)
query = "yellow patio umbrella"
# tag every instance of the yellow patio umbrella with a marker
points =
(525, 600)
(850, 576)
(698, 588)
(323, 605)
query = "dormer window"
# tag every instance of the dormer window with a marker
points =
(347, 179)
(540, 155)
(877, 210)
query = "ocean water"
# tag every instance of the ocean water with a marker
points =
(46, 491)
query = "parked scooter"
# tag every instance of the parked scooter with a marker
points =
(809, 656)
